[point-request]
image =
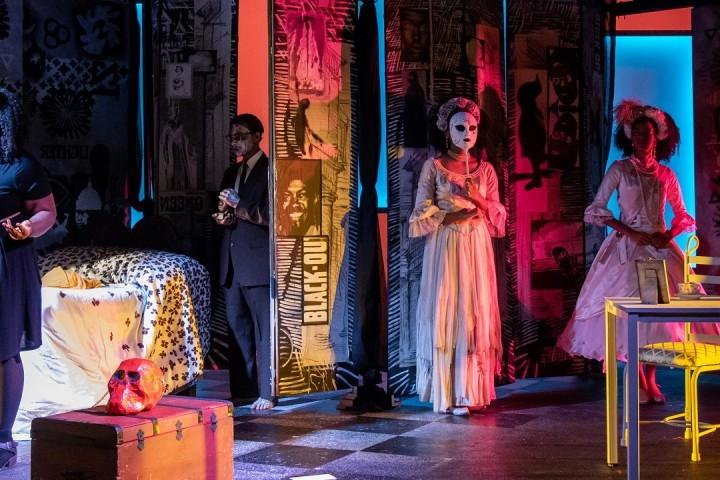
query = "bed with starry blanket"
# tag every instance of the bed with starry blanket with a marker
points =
(152, 305)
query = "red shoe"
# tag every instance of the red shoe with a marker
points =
(658, 397)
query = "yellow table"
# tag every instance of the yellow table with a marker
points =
(705, 309)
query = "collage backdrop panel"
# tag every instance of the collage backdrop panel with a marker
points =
(194, 100)
(435, 50)
(193, 67)
(596, 115)
(552, 138)
(315, 188)
(706, 75)
(76, 96)
(11, 53)
(555, 124)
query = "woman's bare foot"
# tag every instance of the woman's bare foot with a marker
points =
(262, 404)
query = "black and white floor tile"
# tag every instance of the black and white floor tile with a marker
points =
(538, 428)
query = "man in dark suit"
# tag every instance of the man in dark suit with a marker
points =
(243, 209)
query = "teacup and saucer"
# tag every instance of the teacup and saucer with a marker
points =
(690, 290)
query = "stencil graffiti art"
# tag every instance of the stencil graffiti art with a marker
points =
(563, 111)
(67, 113)
(531, 130)
(101, 29)
(34, 62)
(414, 35)
(176, 27)
(56, 34)
(93, 76)
(414, 115)
(298, 204)
(179, 80)
(306, 37)
(308, 141)
(175, 154)
(557, 254)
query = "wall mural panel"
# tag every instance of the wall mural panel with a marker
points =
(550, 66)
(545, 184)
(193, 108)
(11, 35)
(75, 96)
(594, 118)
(315, 188)
(706, 59)
(435, 50)
(193, 66)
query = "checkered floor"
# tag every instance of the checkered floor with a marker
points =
(538, 428)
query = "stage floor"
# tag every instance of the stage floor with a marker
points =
(538, 428)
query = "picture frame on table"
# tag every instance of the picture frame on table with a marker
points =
(653, 281)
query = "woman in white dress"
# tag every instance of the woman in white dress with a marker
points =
(646, 135)
(458, 209)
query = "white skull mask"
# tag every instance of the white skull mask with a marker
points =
(463, 129)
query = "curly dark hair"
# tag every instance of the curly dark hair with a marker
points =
(9, 126)
(664, 148)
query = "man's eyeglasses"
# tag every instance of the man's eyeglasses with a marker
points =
(239, 137)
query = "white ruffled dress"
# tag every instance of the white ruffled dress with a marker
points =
(458, 320)
(641, 198)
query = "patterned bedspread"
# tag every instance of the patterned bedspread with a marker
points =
(176, 301)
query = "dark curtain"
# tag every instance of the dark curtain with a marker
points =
(369, 348)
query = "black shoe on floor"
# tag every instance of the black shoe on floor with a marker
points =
(8, 454)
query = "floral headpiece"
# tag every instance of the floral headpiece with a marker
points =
(453, 106)
(630, 110)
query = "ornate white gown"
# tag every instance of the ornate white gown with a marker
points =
(458, 321)
(642, 198)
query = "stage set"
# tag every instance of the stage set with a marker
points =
(355, 240)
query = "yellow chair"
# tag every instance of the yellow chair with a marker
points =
(696, 355)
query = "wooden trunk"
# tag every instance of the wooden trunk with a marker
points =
(181, 438)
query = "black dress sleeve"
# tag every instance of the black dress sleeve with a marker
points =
(31, 181)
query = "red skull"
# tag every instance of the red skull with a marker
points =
(136, 385)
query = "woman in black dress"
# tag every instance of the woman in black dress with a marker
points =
(27, 210)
